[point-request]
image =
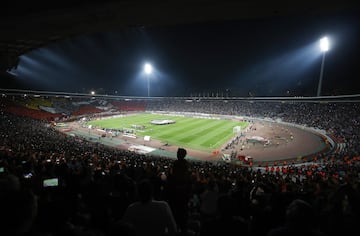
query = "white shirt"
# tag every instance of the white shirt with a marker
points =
(151, 218)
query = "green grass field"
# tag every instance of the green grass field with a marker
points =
(195, 133)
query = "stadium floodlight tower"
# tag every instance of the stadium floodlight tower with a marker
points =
(148, 71)
(324, 47)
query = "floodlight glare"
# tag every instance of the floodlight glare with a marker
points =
(324, 44)
(324, 47)
(148, 68)
(148, 71)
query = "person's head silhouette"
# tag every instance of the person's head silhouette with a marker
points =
(181, 153)
(145, 190)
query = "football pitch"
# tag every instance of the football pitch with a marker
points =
(195, 133)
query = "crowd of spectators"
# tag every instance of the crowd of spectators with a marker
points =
(98, 185)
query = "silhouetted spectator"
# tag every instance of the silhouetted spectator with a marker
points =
(226, 223)
(179, 189)
(208, 200)
(260, 211)
(121, 228)
(343, 211)
(18, 207)
(150, 217)
(300, 220)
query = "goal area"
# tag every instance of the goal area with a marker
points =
(237, 129)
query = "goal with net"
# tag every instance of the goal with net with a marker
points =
(237, 129)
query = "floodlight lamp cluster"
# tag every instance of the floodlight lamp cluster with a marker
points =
(324, 44)
(148, 68)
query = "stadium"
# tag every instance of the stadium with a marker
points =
(272, 142)
(264, 140)
(219, 133)
(283, 141)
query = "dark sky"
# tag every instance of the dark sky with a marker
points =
(276, 56)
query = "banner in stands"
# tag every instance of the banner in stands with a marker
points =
(48, 109)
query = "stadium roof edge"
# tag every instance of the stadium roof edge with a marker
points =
(37, 93)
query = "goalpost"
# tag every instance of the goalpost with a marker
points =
(237, 129)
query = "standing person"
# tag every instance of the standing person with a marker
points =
(148, 216)
(227, 221)
(300, 221)
(179, 189)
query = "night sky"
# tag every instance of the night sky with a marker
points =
(276, 56)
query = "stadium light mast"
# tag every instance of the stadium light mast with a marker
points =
(324, 47)
(148, 71)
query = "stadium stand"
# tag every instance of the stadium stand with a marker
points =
(97, 183)
(129, 105)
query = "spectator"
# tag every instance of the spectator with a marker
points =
(208, 200)
(18, 207)
(226, 222)
(179, 189)
(120, 228)
(148, 216)
(300, 220)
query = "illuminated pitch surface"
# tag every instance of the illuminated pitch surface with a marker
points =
(195, 133)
